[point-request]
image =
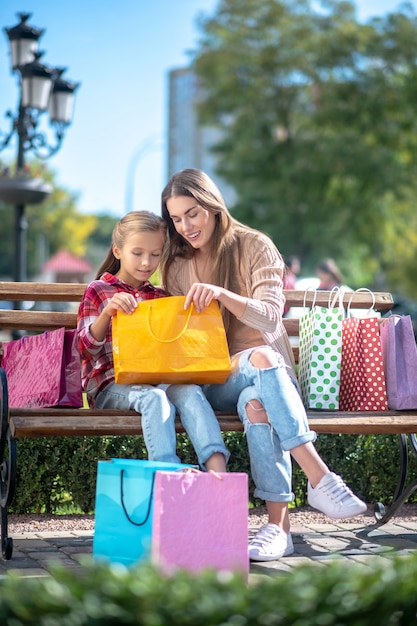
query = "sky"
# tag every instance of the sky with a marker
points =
(121, 53)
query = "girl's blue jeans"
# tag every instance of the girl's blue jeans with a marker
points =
(158, 406)
(269, 444)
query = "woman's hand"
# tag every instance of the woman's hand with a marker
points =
(201, 294)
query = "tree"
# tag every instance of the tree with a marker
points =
(100, 239)
(55, 223)
(318, 115)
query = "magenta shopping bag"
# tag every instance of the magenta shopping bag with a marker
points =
(399, 353)
(200, 521)
(43, 370)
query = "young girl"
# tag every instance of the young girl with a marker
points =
(211, 256)
(122, 281)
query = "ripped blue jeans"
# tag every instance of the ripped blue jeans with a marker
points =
(158, 406)
(269, 444)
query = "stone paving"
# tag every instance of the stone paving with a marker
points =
(322, 543)
(316, 543)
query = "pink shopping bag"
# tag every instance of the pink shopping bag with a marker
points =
(200, 521)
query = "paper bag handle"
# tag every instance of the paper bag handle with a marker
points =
(309, 288)
(148, 511)
(385, 319)
(336, 294)
(180, 334)
(122, 500)
(361, 289)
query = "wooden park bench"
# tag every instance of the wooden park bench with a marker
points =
(58, 422)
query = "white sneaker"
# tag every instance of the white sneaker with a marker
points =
(332, 497)
(270, 543)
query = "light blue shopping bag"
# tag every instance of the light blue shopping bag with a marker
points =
(124, 509)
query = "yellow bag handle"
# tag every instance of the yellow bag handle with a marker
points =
(180, 334)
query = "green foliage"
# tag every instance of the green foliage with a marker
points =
(56, 472)
(319, 132)
(100, 238)
(369, 464)
(53, 471)
(53, 224)
(342, 595)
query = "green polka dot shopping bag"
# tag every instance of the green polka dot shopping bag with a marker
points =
(320, 353)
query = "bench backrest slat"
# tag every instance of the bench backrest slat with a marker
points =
(36, 320)
(49, 292)
(33, 320)
(73, 292)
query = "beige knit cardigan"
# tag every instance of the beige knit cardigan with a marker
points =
(261, 271)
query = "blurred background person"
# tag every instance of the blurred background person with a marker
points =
(292, 270)
(329, 275)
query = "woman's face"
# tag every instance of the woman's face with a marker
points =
(195, 224)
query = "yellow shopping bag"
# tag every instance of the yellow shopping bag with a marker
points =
(162, 343)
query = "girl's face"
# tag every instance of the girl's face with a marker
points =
(195, 224)
(139, 257)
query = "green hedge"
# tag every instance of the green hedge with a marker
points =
(338, 594)
(55, 471)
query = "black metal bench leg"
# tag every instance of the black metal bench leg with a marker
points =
(402, 493)
(7, 490)
(6, 541)
(7, 467)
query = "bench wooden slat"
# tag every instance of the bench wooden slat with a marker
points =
(78, 422)
(50, 320)
(360, 300)
(32, 321)
(37, 320)
(73, 292)
(366, 423)
(46, 292)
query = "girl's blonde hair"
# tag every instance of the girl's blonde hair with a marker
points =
(131, 223)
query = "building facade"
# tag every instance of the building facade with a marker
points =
(189, 144)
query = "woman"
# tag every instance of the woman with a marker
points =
(213, 256)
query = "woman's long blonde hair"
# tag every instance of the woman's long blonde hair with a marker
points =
(131, 223)
(225, 241)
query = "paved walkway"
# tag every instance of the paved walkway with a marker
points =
(315, 543)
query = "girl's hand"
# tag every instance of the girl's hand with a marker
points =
(201, 294)
(121, 301)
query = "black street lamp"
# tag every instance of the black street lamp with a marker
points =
(41, 89)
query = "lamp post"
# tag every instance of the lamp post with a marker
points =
(41, 89)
